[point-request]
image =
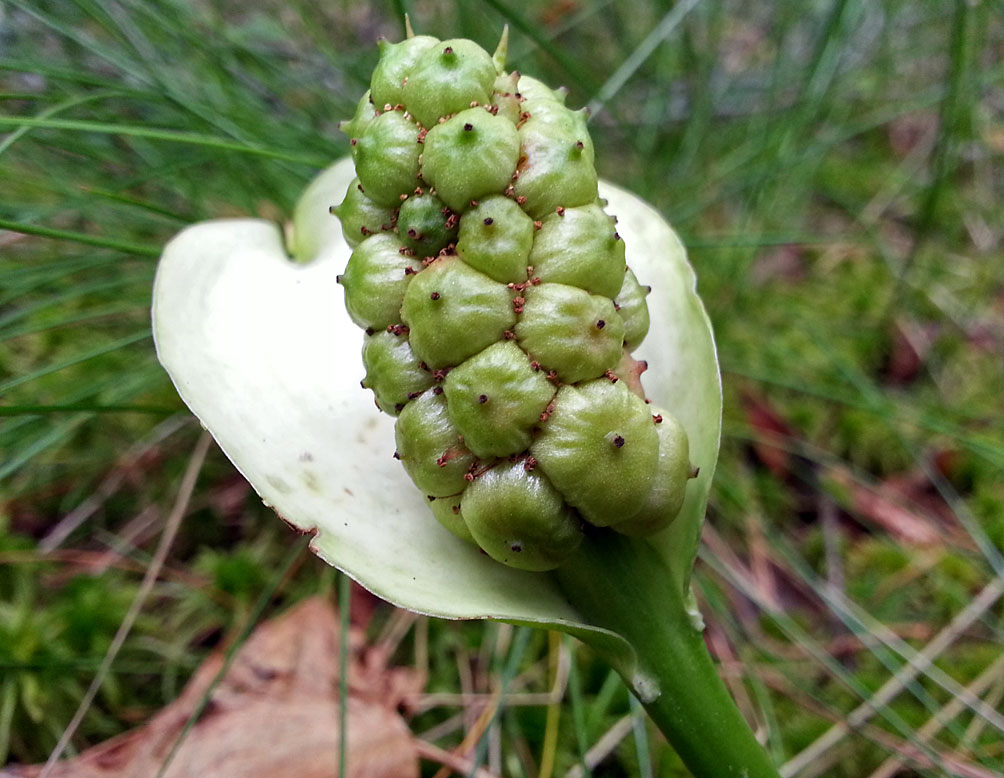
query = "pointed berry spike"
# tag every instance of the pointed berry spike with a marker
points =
(501, 51)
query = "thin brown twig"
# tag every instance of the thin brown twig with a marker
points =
(451, 761)
(803, 763)
(125, 465)
(937, 722)
(605, 745)
(171, 527)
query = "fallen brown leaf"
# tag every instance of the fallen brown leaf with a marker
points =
(887, 507)
(771, 431)
(274, 714)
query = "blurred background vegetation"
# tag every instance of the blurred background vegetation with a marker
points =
(834, 167)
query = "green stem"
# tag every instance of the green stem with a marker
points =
(624, 586)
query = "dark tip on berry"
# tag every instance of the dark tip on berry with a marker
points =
(483, 399)
(430, 497)
(530, 464)
(413, 395)
(489, 221)
(448, 50)
(353, 141)
(409, 271)
(360, 188)
(437, 390)
(434, 296)
(617, 236)
(468, 127)
(474, 203)
(695, 472)
(579, 144)
(516, 547)
(455, 509)
(509, 335)
(618, 441)
(600, 324)
(398, 407)
(657, 418)
(412, 233)
(560, 210)
(363, 383)
(365, 230)
(338, 279)
(397, 455)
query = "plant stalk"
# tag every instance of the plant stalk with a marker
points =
(624, 585)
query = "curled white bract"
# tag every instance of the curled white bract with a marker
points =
(260, 348)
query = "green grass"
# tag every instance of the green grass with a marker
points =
(835, 169)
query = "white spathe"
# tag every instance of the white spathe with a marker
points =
(261, 349)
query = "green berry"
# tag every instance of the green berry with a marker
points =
(496, 237)
(365, 115)
(579, 246)
(517, 516)
(554, 171)
(496, 398)
(425, 225)
(447, 511)
(453, 312)
(534, 90)
(665, 499)
(554, 118)
(633, 310)
(360, 216)
(393, 372)
(446, 79)
(386, 157)
(375, 280)
(397, 60)
(469, 156)
(600, 448)
(570, 331)
(430, 447)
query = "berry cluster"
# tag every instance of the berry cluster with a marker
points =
(500, 315)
